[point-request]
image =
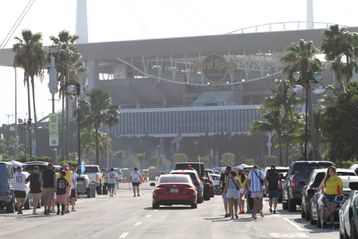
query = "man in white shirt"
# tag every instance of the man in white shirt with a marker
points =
(111, 182)
(135, 177)
(20, 188)
(73, 195)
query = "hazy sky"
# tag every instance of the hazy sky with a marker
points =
(115, 20)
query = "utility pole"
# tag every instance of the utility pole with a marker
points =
(53, 122)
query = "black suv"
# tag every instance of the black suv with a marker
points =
(199, 167)
(296, 178)
(7, 197)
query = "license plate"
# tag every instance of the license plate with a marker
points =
(174, 190)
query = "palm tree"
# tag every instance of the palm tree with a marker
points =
(279, 115)
(30, 55)
(98, 110)
(69, 65)
(301, 56)
(341, 48)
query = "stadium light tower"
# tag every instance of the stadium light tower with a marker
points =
(81, 21)
(309, 17)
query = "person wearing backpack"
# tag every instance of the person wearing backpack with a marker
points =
(232, 194)
(255, 182)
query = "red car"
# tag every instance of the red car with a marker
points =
(173, 189)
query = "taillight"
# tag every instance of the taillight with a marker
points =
(158, 189)
(293, 184)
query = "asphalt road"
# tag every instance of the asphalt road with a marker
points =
(125, 216)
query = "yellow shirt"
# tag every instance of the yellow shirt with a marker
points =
(333, 185)
(68, 177)
(242, 183)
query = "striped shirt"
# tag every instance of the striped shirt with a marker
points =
(254, 177)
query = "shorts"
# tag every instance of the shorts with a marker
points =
(135, 184)
(61, 198)
(241, 190)
(20, 194)
(48, 194)
(232, 193)
(110, 185)
(273, 194)
(36, 196)
(257, 194)
(224, 198)
(73, 193)
(329, 198)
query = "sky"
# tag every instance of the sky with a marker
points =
(118, 20)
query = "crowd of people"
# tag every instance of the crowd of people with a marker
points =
(252, 185)
(53, 188)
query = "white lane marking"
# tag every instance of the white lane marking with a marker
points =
(294, 224)
(123, 235)
(138, 223)
(287, 235)
(148, 216)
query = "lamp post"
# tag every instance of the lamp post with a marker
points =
(75, 89)
(306, 81)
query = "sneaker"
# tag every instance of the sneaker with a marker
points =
(253, 216)
(138, 195)
(19, 212)
(62, 213)
(227, 215)
(134, 195)
(34, 213)
(270, 210)
(73, 210)
(58, 212)
(236, 216)
(274, 211)
(262, 214)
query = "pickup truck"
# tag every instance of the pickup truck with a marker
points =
(94, 174)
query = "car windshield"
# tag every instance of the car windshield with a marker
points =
(305, 169)
(173, 179)
(346, 174)
(90, 169)
(197, 166)
(192, 176)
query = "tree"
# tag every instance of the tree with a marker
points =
(227, 159)
(341, 48)
(31, 56)
(97, 110)
(301, 56)
(206, 160)
(339, 125)
(140, 157)
(279, 115)
(69, 65)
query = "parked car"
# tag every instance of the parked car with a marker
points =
(173, 189)
(296, 179)
(7, 196)
(216, 184)
(318, 208)
(354, 167)
(85, 186)
(199, 167)
(348, 214)
(196, 181)
(94, 174)
(313, 183)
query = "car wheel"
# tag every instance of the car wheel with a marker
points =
(217, 190)
(200, 200)
(194, 205)
(10, 207)
(318, 219)
(88, 192)
(155, 205)
(353, 233)
(291, 205)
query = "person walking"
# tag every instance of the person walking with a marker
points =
(20, 188)
(35, 188)
(112, 182)
(224, 177)
(231, 190)
(61, 193)
(242, 178)
(272, 184)
(135, 178)
(49, 187)
(73, 195)
(255, 181)
(331, 186)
